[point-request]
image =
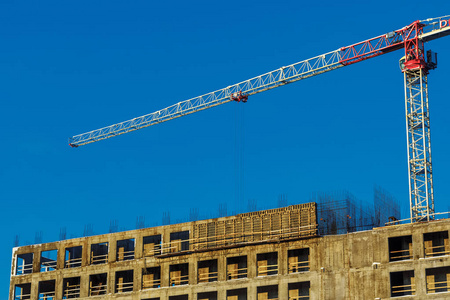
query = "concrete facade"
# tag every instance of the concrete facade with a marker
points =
(377, 264)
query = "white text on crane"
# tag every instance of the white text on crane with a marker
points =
(444, 23)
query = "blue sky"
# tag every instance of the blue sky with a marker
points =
(70, 67)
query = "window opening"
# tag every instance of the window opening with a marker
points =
(71, 288)
(207, 271)
(48, 260)
(269, 292)
(99, 253)
(24, 263)
(46, 290)
(124, 281)
(73, 257)
(152, 245)
(267, 263)
(22, 291)
(298, 260)
(438, 280)
(239, 294)
(151, 278)
(402, 284)
(179, 241)
(236, 267)
(179, 274)
(299, 290)
(98, 284)
(436, 244)
(125, 249)
(400, 248)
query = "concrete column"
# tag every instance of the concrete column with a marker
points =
(420, 281)
(283, 290)
(166, 235)
(112, 249)
(221, 293)
(86, 253)
(137, 278)
(193, 271)
(35, 289)
(164, 275)
(58, 285)
(138, 246)
(222, 269)
(251, 264)
(60, 257)
(84, 285)
(252, 292)
(282, 261)
(36, 261)
(418, 249)
(111, 282)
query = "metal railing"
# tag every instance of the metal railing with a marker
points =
(412, 220)
(48, 266)
(123, 287)
(47, 296)
(237, 273)
(71, 291)
(98, 290)
(179, 280)
(24, 269)
(207, 277)
(409, 289)
(267, 270)
(299, 266)
(99, 259)
(152, 252)
(151, 284)
(444, 286)
(299, 298)
(72, 263)
(126, 255)
(22, 297)
(431, 251)
(395, 255)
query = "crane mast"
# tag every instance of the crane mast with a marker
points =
(415, 69)
(421, 196)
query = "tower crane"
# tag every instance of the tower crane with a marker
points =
(415, 66)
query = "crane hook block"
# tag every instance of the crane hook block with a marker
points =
(239, 97)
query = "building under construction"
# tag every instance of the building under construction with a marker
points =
(284, 253)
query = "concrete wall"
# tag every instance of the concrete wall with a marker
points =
(351, 266)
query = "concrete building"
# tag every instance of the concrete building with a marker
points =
(271, 254)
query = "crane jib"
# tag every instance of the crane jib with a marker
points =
(406, 37)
